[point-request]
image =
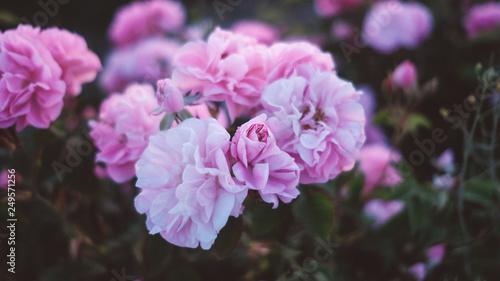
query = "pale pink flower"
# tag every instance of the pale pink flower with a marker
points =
(405, 75)
(263, 32)
(446, 161)
(342, 31)
(418, 271)
(391, 25)
(382, 211)
(436, 254)
(329, 8)
(321, 123)
(139, 20)
(375, 162)
(31, 86)
(188, 192)
(481, 18)
(287, 59)
(146, 62)
(227, 67)
(124, 127)
(261, 165)
(79, 65)
(169, 97)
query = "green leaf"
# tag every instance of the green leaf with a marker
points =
(416, 121)
(315, 210)
(417, 212)
(229, 237)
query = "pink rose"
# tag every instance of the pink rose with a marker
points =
(79, 65)
(187, 192)
(31, 86)
(321, 123)
(146, 62)
(263, 32)
(305, 59)
(169, 97)
(227, 67)
(123, 130)
(391, 25)
(139, 20)
(329, 8)
(405, 75)
(260, 163)
(382, 211)
(481, 18)
(376, 164)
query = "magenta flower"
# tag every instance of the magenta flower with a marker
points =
(376, 164)
(329, 8)
(169, 97)
(227, 67)
(405, 75)
(436, 254)
(382, 211)
(139, 20)
(79, 65)
(263, 32)
(321, 123)
(391, 25)
(124, 127)
(31, 84)
(146, 62)
(304, 59)
(187, 192)
(418, 271)
(4, 179)
(481, 18)
(261, 165)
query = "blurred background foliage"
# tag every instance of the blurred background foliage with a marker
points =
(84, 228)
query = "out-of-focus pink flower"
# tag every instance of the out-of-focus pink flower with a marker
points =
(124, 127)
(382, 211)
(321, 123)
(481, 18)
(367, 100)
(375, 163)
(169, 97)
(445, 161)
(187, 192)
(342, 31)
(146, 62)
(436, 254)
(263, 32)
(100, 172)
(405, 75)
(31, 85)
(304, 59)
(329, 8)
(228, 67)
(418, 271)
(5, 176)
(261, 165)
(139, 20)
(390, 25)
(79, 65)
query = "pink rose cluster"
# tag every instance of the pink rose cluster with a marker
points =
(305, 126)
(122, 132)
(482, 18)
(391, 25)
(38, 68)
(139, 20)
